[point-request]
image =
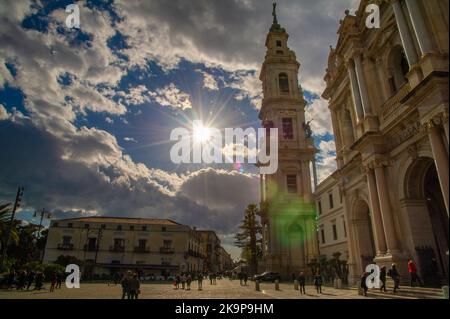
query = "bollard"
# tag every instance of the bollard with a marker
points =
(257, 285)
(360, 289)
(277, 284)
(296, 284)
(445, 291)
(339, 284)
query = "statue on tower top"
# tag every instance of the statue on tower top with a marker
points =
(274, 13)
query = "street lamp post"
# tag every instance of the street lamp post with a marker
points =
(43, 214)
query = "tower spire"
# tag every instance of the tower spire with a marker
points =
(274, 13)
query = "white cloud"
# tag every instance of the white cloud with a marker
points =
(319, 115)
(248, 85)
(172, 96)
(209, 82)
(129, 139)
(109, 120)
(3, 113)
(326, 164)
(137, 95)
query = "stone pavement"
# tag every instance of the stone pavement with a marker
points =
(225, 289)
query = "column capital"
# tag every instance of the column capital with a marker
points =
(381, 163)
(434, 124)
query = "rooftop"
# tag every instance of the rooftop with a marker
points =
(122, 220)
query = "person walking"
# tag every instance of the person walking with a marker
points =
(30, 278)
(39, 281)
(183, 281)
(53, 279)
(188, 282)
(59, 280)
(245, 279)
(134, 287)
(394, 274)
(383, 279)
(302, 282)
(414, 277)
(241, 278)
(200, 280)
(177, 282)
(318, 281)
(364, 283)
(125, 283)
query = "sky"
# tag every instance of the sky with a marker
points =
(86, 114)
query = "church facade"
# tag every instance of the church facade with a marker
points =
(388, 96)
(287, 209)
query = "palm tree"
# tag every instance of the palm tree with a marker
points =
(5, 219)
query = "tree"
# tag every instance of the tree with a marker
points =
(5, 220)
(249, 238)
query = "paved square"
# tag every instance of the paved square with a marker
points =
(225, 289)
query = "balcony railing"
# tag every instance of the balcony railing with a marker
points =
(141, 250)
(394, 101)
(117, 249)
(65, 246)
(90, 248)
(166, 250)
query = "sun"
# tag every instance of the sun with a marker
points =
(202, 134)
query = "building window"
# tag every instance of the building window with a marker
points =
(103, 226)
(55, 224)
(291, 184)
(335, 234)
(131, 227)
(320, 207)
(330, 198)
(119, 227)
(66, 240)
(86, 226)
(398, 68)
(142, 243)
(288, 128)
(163, 229)
(144, 228)
(283, 82)
(119, 244)
(345, 227)
(92, 244)
(167, 244)
(69, 225)
(279, 43)
(322, 235)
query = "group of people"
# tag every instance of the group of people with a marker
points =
(184, 280)
(130, 285)
(395, 275)
(317, 280)
(24, 280)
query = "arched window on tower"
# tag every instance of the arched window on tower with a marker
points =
(283, 82)
(398, 68)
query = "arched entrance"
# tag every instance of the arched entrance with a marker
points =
(432, 238)
(364, 234)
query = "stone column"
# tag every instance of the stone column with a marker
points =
(405, 34)
(355, 90)
(382, 79)
(386, 211)
(365, 99)
(445, 121)
(440, 157)
(306, 178)
(419, 26)
(377, 221)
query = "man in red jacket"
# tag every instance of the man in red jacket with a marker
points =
(412, 269)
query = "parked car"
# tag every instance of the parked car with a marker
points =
(268, 276)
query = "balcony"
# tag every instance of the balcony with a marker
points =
(65, 246)
(117, 249)
(393, 103)
(141, 250)
(90, 248)
(166, 250)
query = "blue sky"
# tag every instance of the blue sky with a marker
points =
(86, 115)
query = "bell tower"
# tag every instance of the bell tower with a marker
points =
(287, 211)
